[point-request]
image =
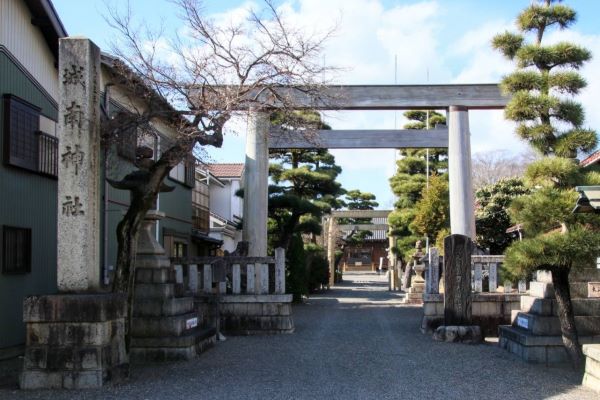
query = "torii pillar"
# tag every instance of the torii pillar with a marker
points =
(462, 217)
(256, 184)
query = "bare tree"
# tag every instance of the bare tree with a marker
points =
(197, 80)
(489, 167)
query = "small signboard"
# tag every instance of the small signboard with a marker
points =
(358, 263)
(191, 323)
(522, 322)
(594, 289)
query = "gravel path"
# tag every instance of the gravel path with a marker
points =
(353, 342)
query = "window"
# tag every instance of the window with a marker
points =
(21, 121)
(179, 250)
(127, 144)
(25, 145)
(16, 250)
(200, 206)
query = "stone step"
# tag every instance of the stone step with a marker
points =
(549, 307)
(191, 338)
(154, 290)
(153, 307)
(170, 353)
(174, 325)
(550, 325)
(154, 275)
(537, 349)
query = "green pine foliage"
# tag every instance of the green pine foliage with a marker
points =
(304, 189)
(544, 82)
(432, 211)
(491, 215)
(410, 180)
(357, 200)
(551, 121)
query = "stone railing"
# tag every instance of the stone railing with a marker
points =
(482, 267)
(232, 275)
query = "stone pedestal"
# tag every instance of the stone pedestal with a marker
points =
(166, 325)
(414, 295)
(74, 341)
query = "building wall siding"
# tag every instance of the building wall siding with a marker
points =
(28, 200)
(27, 43)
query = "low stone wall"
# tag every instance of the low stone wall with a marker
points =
(489, 310)
(249, 314)
(591, 378)
(74, 341)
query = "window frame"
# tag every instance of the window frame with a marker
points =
(43, 157)
(26, 269)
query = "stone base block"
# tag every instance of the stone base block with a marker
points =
(74, 341)
(489, 310)
(591, 378)
(550, 325)
(535, 348)
(250, 314)
(458, 334)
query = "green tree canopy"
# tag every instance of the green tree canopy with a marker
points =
(410, 180)
(544, 82)
(542, 105)
(491, 214)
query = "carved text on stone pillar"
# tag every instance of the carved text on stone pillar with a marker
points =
(73, 158)
(73, 76)
(74, 116)
(72, 206)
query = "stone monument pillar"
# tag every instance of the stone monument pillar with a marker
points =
(79, 166)
(457, 280)
(256, 186)
(462, 217)
(76, 339)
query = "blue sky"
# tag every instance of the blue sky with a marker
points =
(445, 40)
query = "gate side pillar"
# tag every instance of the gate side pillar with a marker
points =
(256, 196)
(462, 217)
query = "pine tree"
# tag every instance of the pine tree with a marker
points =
(410, 180)
(304, 189)
(491, 215)
(357, 200)
(547, 117)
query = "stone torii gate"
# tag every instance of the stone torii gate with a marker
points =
(457, 99)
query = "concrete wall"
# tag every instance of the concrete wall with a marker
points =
(489, 311)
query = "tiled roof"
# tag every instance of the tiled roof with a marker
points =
(592, 159)
(233, 170)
